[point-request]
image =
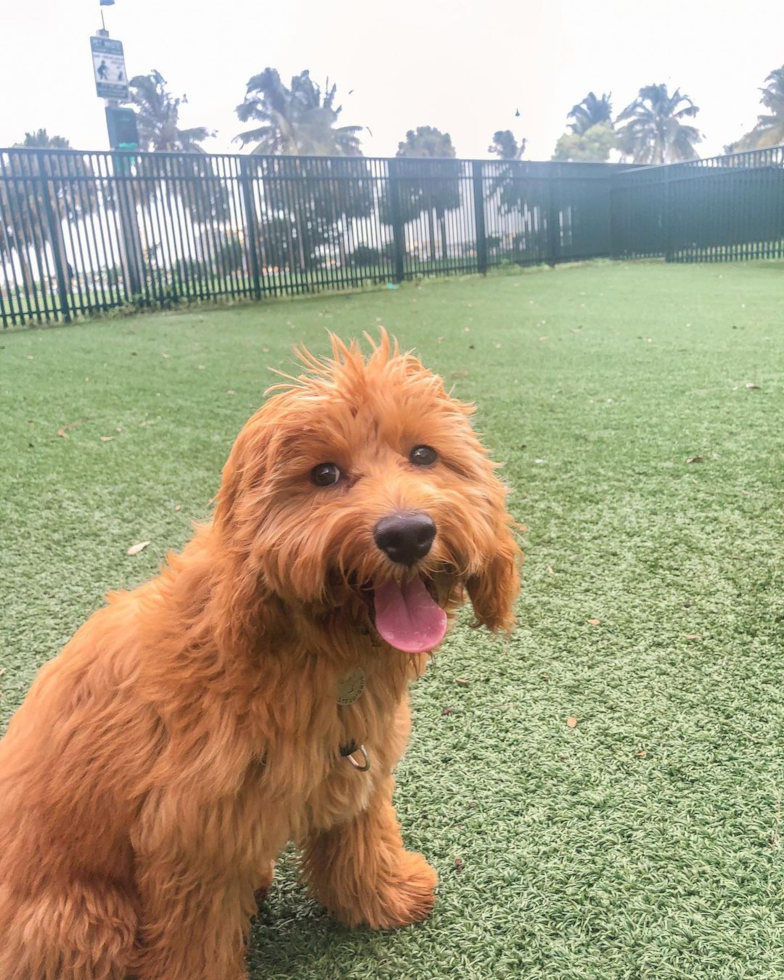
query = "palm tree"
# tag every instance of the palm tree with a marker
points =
(506, 146)
(157, 119)
(158, 116)
(508, 180)
(653, 131)
(296, 120)
(769, 130)
(590, 112)
(40, 184)
(302, 120)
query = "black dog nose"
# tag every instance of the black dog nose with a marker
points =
(405, 538)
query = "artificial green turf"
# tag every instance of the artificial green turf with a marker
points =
(645, 842)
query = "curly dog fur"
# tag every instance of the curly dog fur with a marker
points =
(191, 728)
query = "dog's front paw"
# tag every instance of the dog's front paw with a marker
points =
(405, 895)
(265, 883)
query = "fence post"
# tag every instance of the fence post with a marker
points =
(553, 229)
(611, 223)
(479, 216)
(55, 236)
(398, 226)
(129, 238)
(251, 228)
(667, 216)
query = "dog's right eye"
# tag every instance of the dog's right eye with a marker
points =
(325, 474)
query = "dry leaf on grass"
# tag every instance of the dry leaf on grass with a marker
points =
(550, 569)
(752, 387)
(447, 711)
(178, 506)
(692, 636)
(71, 425)
(458, 864)
(641, 755)
(462, 681)
(571, 722)
(594, 622)
(165, 355)
(136, 548)
(107, 438)
(696, 459)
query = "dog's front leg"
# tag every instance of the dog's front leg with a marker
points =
(362, 873)
(192, 928)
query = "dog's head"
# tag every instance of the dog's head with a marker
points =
(361, 487)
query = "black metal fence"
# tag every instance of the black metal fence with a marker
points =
(83, 232)
(717, 209)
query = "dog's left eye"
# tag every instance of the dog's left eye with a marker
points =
(423, 456)
(325, 474)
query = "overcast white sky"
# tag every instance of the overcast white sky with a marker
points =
(464, 66)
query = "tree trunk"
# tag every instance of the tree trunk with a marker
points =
(27, 273)
(342, 256)
(442, 222)
(431, 234)
(349, 235)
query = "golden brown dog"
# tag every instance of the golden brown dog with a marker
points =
(196, 724)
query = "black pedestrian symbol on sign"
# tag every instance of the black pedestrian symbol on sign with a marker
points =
(120, 76)
(102, 71)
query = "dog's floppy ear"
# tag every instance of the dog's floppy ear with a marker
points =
(244, 468)
(493, 590)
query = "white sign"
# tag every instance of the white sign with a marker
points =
(111, 80)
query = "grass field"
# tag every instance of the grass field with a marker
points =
(646, 841)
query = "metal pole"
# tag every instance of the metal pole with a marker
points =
(398, 226)
(131, 255)
(479, 217)
(667, 215)
(553, 215)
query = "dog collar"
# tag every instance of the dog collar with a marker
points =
(350, 688)
(350, 749)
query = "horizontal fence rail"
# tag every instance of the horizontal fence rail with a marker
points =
(85, 232)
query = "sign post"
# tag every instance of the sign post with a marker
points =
(111, 85)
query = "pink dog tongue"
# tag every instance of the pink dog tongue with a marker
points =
(407, 618)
